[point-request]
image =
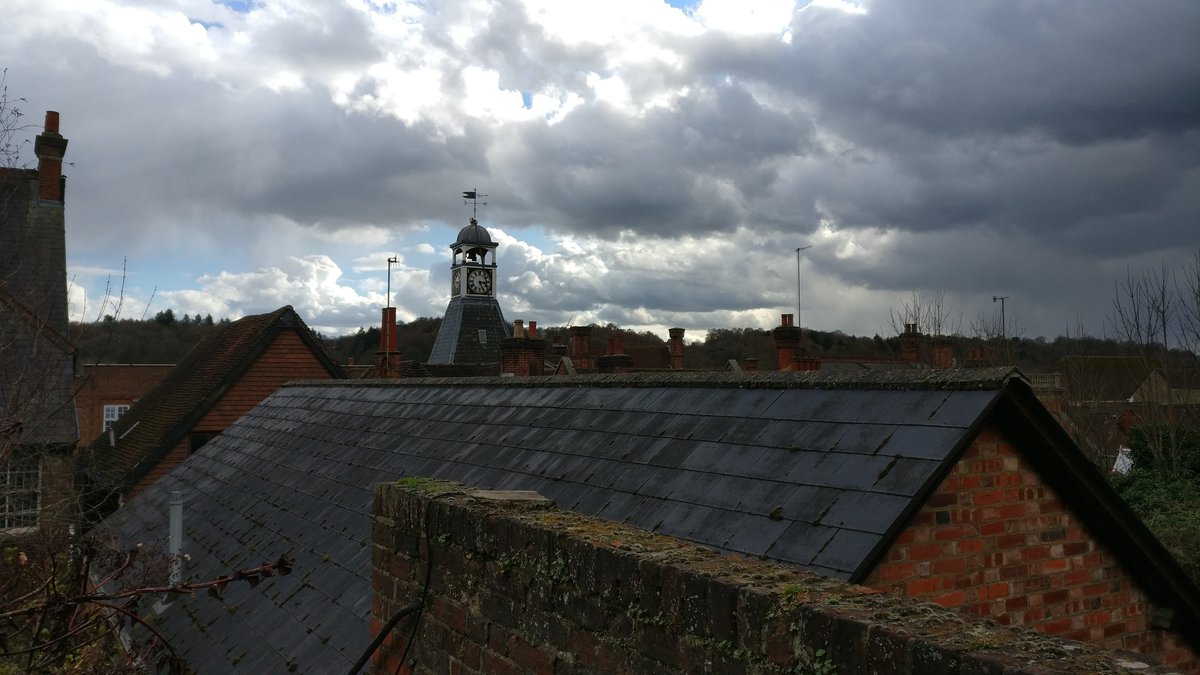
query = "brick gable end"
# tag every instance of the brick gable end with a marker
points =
(995, 541)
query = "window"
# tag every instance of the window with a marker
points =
(482, 337)
(112, 413)
(20, 492)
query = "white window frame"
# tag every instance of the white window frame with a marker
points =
(20, 494)
(113, 412)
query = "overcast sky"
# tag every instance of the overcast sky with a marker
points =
(649, 164)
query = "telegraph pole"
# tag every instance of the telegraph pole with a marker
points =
(1003, 325)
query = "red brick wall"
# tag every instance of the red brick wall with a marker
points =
(106, 384)
(521, 587)
(287, 358)
(994, 541)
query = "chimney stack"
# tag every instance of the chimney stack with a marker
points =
(581, 347)
(50, 147)
(750, 364)
(910, 344)
(388, 358)
(523, 354)
(787, 342)
(676, 335)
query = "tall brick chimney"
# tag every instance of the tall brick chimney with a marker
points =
(50, 147)
(676, 335)
(388, 358)
(580, 349)
(787, 342)
(910, 343)
(523, 354)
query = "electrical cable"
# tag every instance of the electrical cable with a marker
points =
(404, 611)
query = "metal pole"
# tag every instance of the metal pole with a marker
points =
(391, 261)
(1003, 324)
(798, 322)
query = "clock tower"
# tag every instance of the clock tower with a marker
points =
(473, 325)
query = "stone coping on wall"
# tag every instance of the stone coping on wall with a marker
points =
(769, 617)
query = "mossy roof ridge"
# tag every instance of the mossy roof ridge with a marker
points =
(958, 379)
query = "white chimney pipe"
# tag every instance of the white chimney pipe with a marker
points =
(175, 537)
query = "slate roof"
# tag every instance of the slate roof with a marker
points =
(810, 469)
(160, 419)
(457, 340)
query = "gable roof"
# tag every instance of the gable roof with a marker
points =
(161, 418)
(808, 469)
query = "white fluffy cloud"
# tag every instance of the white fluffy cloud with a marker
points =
(654, 166)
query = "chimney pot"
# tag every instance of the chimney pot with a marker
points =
(51, 122)
(518, 328)
(532, 332)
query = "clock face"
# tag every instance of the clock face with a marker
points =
(456, 282)
(479, 282)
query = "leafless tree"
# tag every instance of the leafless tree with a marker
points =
(930, 313)
(1156, 315)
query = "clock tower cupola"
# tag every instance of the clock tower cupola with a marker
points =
(473, 325)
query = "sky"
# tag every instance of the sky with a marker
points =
(647, 164)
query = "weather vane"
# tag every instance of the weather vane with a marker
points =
(472, 197)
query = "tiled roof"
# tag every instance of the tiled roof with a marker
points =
(154, 424)
(457, 340)
(807, 469)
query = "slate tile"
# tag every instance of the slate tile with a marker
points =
(962, 408)
(755, 534)
(866, 511)
(922, 442)
(809, 502)
(859, 472)
(847, 550)
(800, 543)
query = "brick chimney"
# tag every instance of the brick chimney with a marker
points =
(616, 360)
(558, 349)
(800, 363)
(750, 364)
(676, 348)
(910, 344)
(50, 147)
(943, 353)
(787, 342)
(580, 350)
(387, 359)
(523, 354)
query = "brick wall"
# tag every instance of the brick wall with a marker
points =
(517, 586)
(287, 358)
(105, 384)
(994, 541)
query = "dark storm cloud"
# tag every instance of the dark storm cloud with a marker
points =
(1033, 149)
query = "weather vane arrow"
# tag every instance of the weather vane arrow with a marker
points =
(472, 197)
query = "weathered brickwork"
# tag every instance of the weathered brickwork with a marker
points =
(522, 587)
(993, 540)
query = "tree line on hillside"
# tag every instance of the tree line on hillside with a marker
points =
(167, 339)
